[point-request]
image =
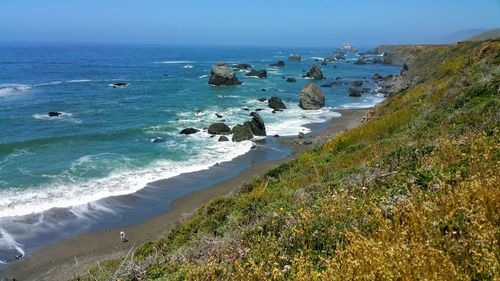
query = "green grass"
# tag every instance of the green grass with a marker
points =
(413, 193)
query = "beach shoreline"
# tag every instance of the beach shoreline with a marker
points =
(70, 258)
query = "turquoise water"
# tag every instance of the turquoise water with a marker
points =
(101, 145)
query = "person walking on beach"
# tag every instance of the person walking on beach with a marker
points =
(123, 237)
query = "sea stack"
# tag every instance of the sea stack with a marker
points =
(222, 76)
(311, 97)
(315, 73)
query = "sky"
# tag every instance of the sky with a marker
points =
(309, 23)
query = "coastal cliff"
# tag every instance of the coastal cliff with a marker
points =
(412, 193)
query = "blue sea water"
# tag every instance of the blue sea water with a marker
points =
(101, 144)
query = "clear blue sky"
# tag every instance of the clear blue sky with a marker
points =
(243, 22)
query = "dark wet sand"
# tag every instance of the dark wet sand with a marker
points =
(57, 261)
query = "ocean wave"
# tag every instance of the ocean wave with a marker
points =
(367, 101)
(12, 89)
(188, 66)
(79, 81)
(64, 194)
(174, 62)
(8, 245)
(203, 76)
(48, 84)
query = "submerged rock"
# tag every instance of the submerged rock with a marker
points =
(223, 138)
(291, 79)
(276, 103)
(221, 75)
(279, 63)
(315, 73)
(257, 73)
(241, 66)
(54, 114)
(353, 92)
(119, 85)
(189, 131)
(357, 83)
(311, 97)
(219, 129)
(294, 57)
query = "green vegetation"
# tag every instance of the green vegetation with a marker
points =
(413, 193)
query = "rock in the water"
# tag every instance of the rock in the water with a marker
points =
(357, 83)
(315, 73)
(276, 103)
(360, 61)
(279, 63)
(257, 73)
(353, 92)
(119, 85)
(291, 79)
(158, 139)
(259, 109)
(257, 125)
(54, 114)
(219, 129)
(218, 115)
(311, 97)
(294, 57)
(301, 135)
(242, 132)
(241, 66)
(223, 138)
(189, 131)
(262, 99)
(222, 76)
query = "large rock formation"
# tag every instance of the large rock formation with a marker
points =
(315, 73)
(242, 132)
(257, 73)
(257, 125)
(311, 97)
(276, 103)
(221, 75)
(219, 129)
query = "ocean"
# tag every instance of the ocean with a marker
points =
(62, 176)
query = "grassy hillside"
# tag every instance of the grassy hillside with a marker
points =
(413, 193)
(490, 34)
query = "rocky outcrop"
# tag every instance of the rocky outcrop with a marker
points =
(119, 85)
(241, 66)
(360, 61)
(257, 125)
(276, 103)
(354, 92)
(311, 97)
(291, 79)
(294, 57)
(279, 63)
(242, 132)
(219, 129)
(257, 73)
(189, 131)
(340, 56)
(315, 73)
(221, 75)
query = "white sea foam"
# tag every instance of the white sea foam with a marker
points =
(367, 101)
(79, 81)
(63, 194)
(48, 83)
(9, 244)
(188, 66)
(174, 61)
(203, 76)
(12, 89)
(65, 116)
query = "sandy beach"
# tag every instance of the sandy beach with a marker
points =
(72, 257)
